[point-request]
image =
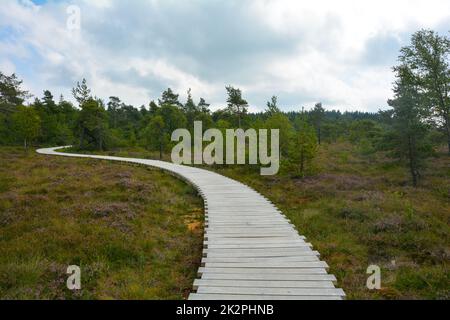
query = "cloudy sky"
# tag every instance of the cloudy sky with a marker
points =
(339, 52)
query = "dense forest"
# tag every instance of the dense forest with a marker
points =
(411, 130)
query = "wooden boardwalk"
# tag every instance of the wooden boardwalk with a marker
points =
(251, 250)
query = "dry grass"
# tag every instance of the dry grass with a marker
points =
(129, 228)
(361, 210)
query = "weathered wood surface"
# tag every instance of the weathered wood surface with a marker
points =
(251, 250)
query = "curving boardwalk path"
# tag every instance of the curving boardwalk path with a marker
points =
(251, 250)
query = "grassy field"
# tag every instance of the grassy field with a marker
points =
(135, 232)
(359, 210)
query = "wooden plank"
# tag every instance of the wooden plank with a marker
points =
(217, 240)
(212, 237)
(221, 209)
(253, 241)
(267, 265)
(271, 276)
(209, 237)
(287, 238)
(242, 297)
(275, 229)
(250, 234)
(243, 215)
(202, 270)
(235, 229)
(274, 291)
(259, 246)
(227, 210)
(246, 223)
(258, 250)
(262, 284)
(260, 260)
(260, 253)
(237, 236)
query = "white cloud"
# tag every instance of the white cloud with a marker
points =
(339, 52)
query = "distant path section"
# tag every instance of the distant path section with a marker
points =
(251, 250)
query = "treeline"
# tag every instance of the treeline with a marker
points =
(417, 122)
(96, 125)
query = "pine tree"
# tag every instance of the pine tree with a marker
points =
(92, 125)
(114, 105)
(169, 98)
(272, 107)
(281, 122)
(81, 92)
(304, 148)
(153, 108)
(190, 109)
(156, 135)
(203, 106)
(27, 124)
(408, 138)
(11, 93)
(427, 58)
(236, 104)
(318, 115)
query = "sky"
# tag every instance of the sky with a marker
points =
(338, 52)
